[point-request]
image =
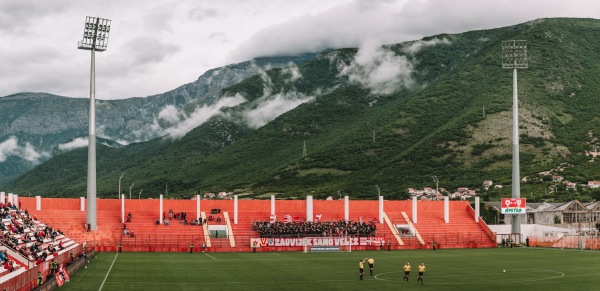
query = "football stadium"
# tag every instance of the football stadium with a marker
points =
(195, 244)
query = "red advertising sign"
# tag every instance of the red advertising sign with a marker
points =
(513, 205)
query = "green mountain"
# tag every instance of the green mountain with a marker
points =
(391, 116)
(37, 126)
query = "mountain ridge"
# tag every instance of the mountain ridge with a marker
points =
(446, 116)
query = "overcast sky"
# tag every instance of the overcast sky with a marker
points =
(158, 45)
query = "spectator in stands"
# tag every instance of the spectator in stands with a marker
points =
(89, 227)
(157, 221)
(166, 222)
(9, 265)
(129, 217)
(40, 279)
(60, 245)
(53, 267)
(39, 261)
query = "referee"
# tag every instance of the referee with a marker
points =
(421, 269)
(371, 262)
(406, 270)
(361, 268)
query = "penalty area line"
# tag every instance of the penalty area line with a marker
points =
(210, 256)
(111, 265)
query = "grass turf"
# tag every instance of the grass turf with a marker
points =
(451, 269)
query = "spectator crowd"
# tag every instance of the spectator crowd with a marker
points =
(322, 229)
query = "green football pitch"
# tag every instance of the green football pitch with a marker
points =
(451, 269)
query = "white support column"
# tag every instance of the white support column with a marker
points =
(446, 210)
(309, 208)
(272, 204)
(38, 202)
(122, 208)
(82, 203)
(477, 209)
(235, 209)
(380, 209)
(10, 198)
(414, 209)
(197, 207)
(346, 208)
(16, 198)
(161, 209)
(3, 197)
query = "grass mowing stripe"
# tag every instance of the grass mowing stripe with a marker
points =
(111, 265)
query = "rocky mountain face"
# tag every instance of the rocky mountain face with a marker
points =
(37, 126)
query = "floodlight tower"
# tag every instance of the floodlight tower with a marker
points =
(95, 38)
(514, 56)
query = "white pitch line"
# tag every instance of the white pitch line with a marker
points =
(111, 265)
(210, 256)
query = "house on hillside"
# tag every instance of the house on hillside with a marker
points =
(593, 184)
(557, 179)
(223, 195)
(487, 184)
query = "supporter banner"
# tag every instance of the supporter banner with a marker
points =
(513, 206)
(61, 277)
(325, 249)
(317, 241)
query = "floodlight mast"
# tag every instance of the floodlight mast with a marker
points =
(95, 38)
(514, 56)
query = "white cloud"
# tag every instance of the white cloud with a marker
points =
(293, 71)
(379, 69)
(169, 114)
(273, 106)
(11, 147)
(156, 46)
(202, 114)
(79, 142)
(416, 46)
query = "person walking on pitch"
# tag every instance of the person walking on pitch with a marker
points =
(361, 268)
(421, 269)
(406, 270)
(371, 262)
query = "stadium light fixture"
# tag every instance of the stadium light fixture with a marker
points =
(514, 56)
(95, 38)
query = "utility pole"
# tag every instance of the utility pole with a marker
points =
(130, 190)
(304, 150)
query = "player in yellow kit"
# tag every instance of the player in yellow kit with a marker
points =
(406, 270)
(371, 263)
(421, 268)
(361, 268)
